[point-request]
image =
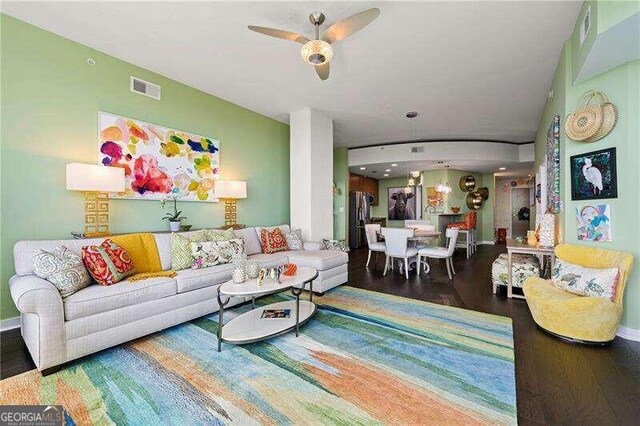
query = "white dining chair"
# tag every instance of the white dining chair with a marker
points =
(396, 240)
(371, 230)
(440, 253)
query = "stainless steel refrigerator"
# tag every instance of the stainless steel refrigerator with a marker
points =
(359, 215)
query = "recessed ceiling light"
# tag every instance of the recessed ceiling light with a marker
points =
(363, 168)
(387, 170)
(502, 168)
(394, 165)
(386, 175)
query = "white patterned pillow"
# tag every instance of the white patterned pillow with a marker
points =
(339, 245)
(590, 282)
(62, 268)
(294, 239)
(211, 253)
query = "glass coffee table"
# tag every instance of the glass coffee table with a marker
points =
(250, 326)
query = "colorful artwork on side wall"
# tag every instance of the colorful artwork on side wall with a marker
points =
(434, 198)
(553, 166)
(593, 175)
(594, 222)
(159, 162)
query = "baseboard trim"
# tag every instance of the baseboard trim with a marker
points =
(629, 333)
(9, 323)
(486, 243)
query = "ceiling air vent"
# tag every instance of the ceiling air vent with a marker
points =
(416, 149)
(585, 26)
(145, 88)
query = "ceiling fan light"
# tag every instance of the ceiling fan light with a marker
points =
(316, 52)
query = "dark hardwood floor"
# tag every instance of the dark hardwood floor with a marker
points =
(556, 382)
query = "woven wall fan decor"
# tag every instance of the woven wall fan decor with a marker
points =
(593, 118)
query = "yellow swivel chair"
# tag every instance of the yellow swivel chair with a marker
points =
(579, 318)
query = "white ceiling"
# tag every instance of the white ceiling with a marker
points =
(477, 70)
(378, 171)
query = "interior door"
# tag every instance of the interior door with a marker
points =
(520, 212)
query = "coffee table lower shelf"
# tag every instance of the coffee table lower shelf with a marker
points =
(250, 327)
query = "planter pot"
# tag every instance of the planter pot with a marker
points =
(174, 226)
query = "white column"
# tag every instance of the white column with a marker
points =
(311, 156)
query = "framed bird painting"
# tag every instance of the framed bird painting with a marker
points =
(593, 175)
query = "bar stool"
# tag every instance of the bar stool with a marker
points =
(468, 229)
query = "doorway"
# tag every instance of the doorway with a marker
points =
(521, 200)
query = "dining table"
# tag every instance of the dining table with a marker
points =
(419, 235)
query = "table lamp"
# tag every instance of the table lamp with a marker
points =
(96, 182)
(230, 191)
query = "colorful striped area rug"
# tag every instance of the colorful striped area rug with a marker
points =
(364, 358)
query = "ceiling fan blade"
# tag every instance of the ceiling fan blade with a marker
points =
(346, 27)
(286, 35)
(322, 70)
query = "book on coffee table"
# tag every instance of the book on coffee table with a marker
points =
(276, 313)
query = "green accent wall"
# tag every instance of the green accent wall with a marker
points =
(622, 86)
(50, 101)
(485, 216)
(341, 180)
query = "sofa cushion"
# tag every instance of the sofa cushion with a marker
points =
(211, 253)
(181, 257)
(95, 298)
(270, 260)
(108, 263)
(251, 240)
(273, 241)
(220, 234)
(585, 281)
(193, 279)
(63, 268)
(321, 259)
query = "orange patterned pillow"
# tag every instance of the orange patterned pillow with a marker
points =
(107, 263)
(273, 241)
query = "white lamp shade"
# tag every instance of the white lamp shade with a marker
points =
(231, 189)
(91, 177)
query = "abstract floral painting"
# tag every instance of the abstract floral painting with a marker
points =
(594, 222)
(159, 162)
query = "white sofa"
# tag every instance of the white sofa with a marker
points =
(58, 330)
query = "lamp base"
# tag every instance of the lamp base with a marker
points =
(96, 214)
(230, 215)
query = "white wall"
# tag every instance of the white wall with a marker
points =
(311, 186)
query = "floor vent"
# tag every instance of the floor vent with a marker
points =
(145, 88)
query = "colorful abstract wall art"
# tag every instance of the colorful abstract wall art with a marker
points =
(593, 175)
(553, 166)
(159, 162)
(594, 222)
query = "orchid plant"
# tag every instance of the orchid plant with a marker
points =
(175, 216)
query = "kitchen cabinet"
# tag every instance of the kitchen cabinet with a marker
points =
(364, 184)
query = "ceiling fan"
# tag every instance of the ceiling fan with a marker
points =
(318, 52)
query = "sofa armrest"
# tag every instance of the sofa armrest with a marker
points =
(312, 245)
(42, 321)
(34, 295)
